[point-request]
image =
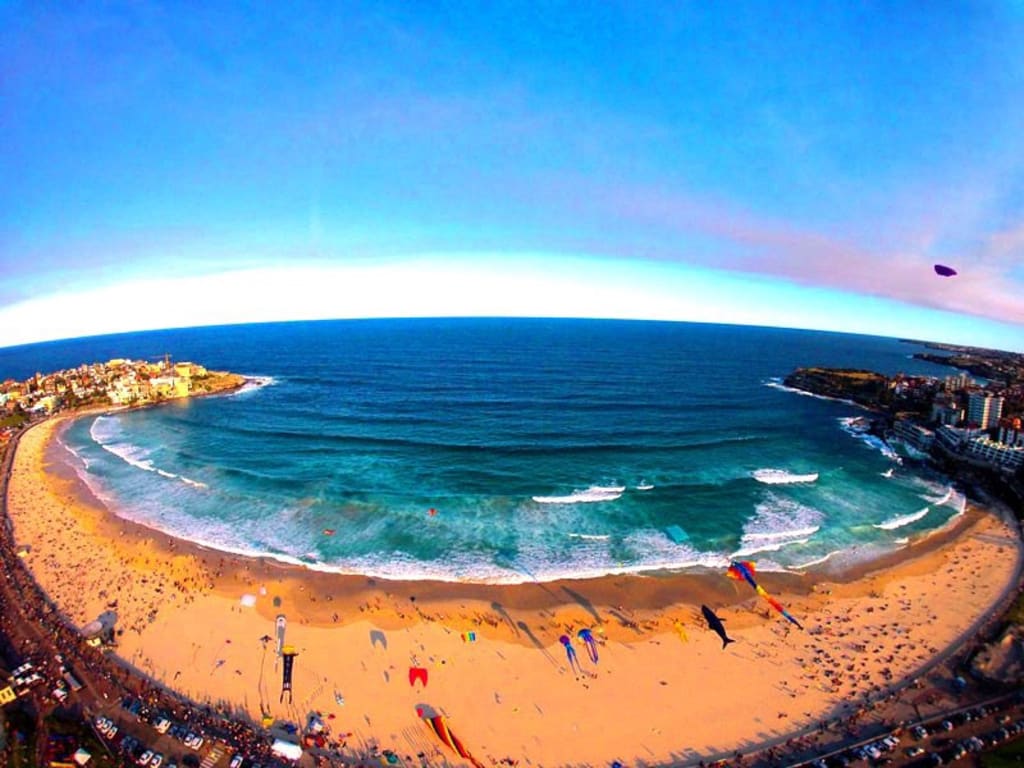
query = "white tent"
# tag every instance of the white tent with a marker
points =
(286, 749)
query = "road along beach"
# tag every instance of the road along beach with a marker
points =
(662, 688)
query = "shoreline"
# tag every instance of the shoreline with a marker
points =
(788, 576)
(183, 624)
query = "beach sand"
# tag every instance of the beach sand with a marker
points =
(654, 696)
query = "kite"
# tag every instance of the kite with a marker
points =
(744, 570)
(942, 269)
(574, 663)
(586, 637)
(440, 728)
(417, 673)
(716, 624)
(681, 630)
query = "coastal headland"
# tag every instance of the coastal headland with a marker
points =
(662, 690)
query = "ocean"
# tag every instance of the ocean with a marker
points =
(506, 450)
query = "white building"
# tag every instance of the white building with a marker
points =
(1000, 454)
(984, 409)
(917, 437)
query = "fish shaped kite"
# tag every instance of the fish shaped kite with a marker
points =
(743, 570)
(439, 726)
(715, 624)
(944, 271)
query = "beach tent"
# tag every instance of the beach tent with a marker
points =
(81, 757)
(92, 629)
(286, 749)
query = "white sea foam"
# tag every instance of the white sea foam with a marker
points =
(817, 561)
(940, 500)
(852, 426)
(590, 536)
(781, 477)
(107, 433)
(778, 522)
(901, 520)
(644, 487)
(588, 495)
(887, 473)
(253, 384)
(776, 383)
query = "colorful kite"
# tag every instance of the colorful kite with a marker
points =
(744, 570)
(681, 630)
(440, 728)
(570, 652)
(417, 673)
(588, 639)
(942, 269)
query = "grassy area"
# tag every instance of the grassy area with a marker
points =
(1016, 614)
(12, 420)
(1008, 755)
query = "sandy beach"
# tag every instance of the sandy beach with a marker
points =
(655, 695)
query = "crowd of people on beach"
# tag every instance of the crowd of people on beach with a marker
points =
(40, 629)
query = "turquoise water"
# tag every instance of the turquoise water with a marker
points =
(507, 450)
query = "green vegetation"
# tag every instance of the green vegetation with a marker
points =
(1016, 613)
(13, 420)
(1008, 755)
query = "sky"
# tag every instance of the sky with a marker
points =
(799, 164)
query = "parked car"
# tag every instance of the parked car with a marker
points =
(913, 751)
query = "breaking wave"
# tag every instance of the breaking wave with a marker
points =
(591, 494)
(778, 522)
(901, 520)
(781, 477)
(105, 431)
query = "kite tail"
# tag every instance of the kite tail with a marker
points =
(440, 727)
(789, 616)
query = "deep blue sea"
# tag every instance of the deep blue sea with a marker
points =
(505, 450)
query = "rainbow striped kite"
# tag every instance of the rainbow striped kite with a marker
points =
(440, 727)
(743, 570)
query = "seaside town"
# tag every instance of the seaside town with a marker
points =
(68, 698)
(971, 425)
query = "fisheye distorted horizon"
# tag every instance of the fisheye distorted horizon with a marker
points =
(799, 167)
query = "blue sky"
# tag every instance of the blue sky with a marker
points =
(798, 164)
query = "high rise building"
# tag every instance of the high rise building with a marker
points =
(984, 409)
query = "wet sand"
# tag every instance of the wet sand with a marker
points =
(654, 695)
